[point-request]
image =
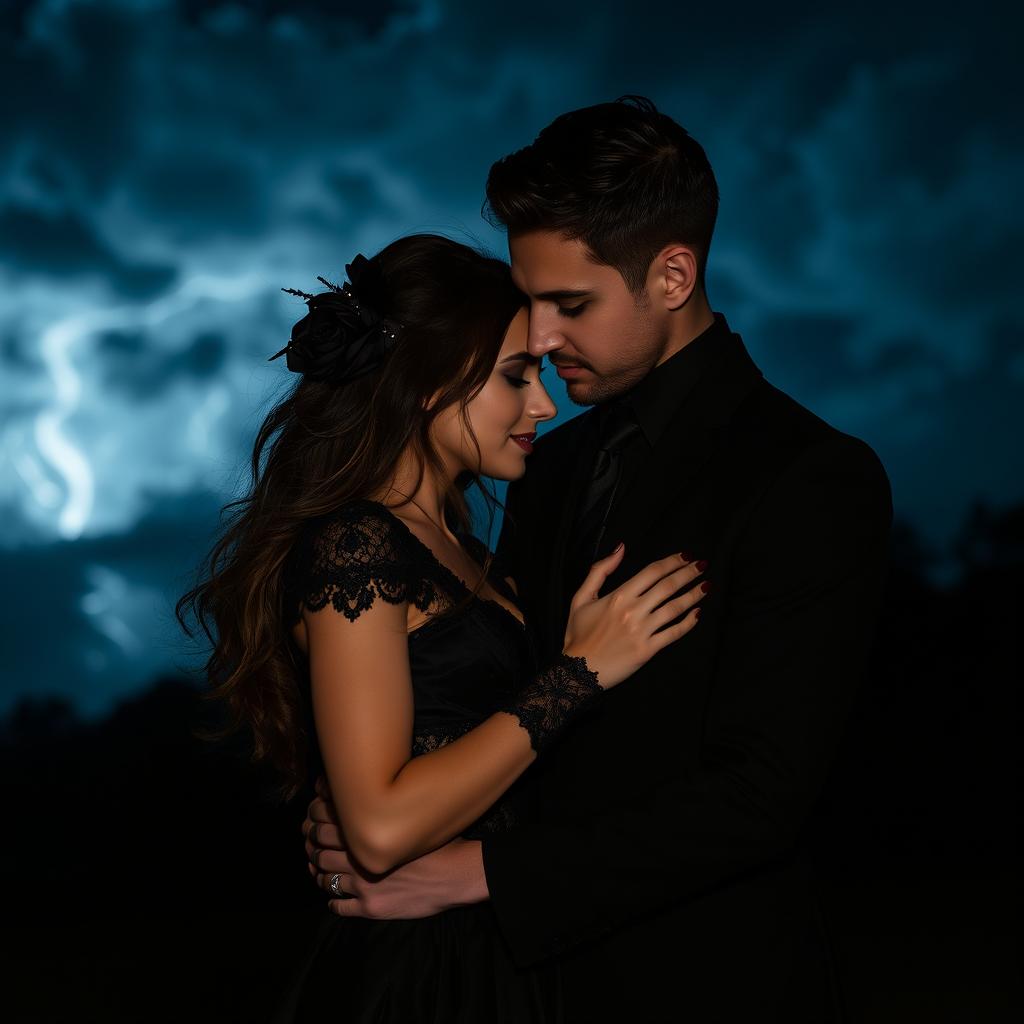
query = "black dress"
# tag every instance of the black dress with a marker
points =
(452, 967)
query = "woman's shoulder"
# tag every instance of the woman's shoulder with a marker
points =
(357, 532)
(351, 554)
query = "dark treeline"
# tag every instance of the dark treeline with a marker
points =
(151, 875)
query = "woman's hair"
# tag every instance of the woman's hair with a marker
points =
(324, 444)
(621, 177)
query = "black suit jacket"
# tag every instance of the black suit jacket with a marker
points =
(664, 869)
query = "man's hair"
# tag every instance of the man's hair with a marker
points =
(623, 178)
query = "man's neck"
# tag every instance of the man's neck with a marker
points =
(688, 322)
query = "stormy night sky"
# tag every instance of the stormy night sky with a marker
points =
(169, 166)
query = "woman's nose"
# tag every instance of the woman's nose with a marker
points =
(543, 410)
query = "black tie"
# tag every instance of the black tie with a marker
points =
(615, 433)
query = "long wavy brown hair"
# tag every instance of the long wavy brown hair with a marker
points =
(325, 444)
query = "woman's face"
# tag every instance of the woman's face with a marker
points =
(511, 403)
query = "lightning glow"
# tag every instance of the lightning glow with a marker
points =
(69, 462)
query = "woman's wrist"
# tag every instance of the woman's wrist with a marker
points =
(556, 695)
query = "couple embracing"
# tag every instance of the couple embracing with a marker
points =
(565, 780)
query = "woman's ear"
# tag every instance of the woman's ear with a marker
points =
(677, 267)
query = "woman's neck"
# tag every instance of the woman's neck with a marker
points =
(423, 504)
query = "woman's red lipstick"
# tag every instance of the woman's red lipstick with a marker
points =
(525, 441)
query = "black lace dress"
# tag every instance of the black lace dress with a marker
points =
(453, 967)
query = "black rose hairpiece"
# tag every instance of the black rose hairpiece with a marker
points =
(343, 336)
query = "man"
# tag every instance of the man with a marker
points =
(664, 868)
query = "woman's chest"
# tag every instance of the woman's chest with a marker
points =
(468, 661)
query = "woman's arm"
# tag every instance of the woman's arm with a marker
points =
(393, 807)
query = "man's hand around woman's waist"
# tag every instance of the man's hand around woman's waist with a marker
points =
(450, 876)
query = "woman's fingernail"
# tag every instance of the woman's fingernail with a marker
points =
(696, 613)
(618, 547)
(686, 556)
(702, 564)
(706, 586)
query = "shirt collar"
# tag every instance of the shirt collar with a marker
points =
(655, 399)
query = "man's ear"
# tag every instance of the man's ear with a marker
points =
(676, 266)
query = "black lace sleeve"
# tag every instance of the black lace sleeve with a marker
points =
(553, 698)
(352, 558)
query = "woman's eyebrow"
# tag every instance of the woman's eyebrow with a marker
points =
(526, 357)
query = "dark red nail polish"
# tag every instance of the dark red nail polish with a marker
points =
(702, 564)
(706, 586)
(686, 556)
(696, 613)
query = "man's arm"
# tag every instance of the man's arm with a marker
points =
(803, 600)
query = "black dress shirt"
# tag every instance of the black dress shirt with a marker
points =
(653, 402)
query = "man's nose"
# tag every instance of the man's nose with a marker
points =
(540, 340)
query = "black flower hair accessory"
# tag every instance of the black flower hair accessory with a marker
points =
(344, 335)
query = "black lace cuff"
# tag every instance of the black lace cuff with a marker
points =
(555, 695)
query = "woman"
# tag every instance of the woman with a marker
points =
(348, 590)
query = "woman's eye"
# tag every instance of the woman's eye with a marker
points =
(571, 311)
(521, 382)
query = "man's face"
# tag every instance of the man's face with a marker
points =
(584, 318)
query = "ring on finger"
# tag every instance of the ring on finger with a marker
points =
(335, 884)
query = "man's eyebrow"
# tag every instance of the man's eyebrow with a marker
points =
(562, 293)
(526, 357)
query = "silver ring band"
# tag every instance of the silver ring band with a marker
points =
(336, 885)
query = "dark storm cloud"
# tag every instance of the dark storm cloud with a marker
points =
(95, 619)
(192, 157)
(193, 192)
(370, 17)
(67, 89)
(136, 368)
(813, 349)
(976, 452)
(16, 353)
(170, 125)
(61, 245)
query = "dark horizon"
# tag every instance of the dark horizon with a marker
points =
(158, 841)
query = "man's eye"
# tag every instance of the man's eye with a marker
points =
(572, 310)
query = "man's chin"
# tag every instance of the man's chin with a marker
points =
(581, 394)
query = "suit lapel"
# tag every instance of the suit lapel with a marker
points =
(646, 496)
(573, 473)
(674, 468)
